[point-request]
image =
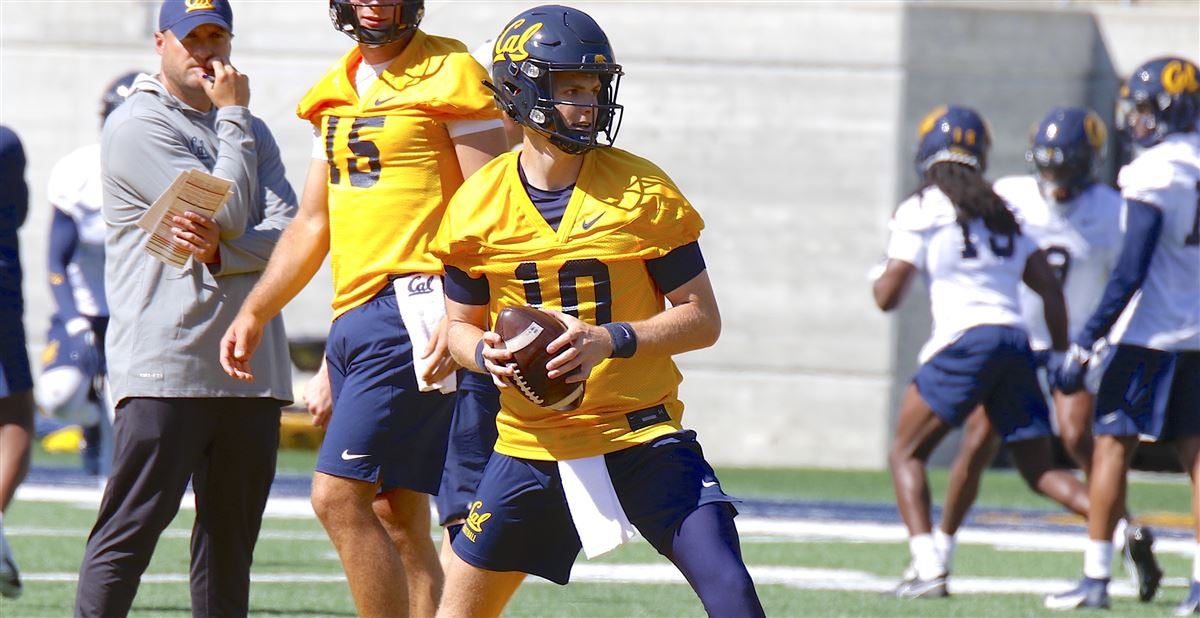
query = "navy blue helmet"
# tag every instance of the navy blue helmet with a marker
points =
(115, 93)
(405, 19)
(1161, 97)
(533, 50)
(1065, 149)
(954, 134)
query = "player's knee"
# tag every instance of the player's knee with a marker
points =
(730, 593)
(62, 392)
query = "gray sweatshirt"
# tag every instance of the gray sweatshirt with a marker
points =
(166, 323)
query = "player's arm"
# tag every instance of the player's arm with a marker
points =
(1039, 276)
(891, 286)
(1143, 227)
(293, 263)
(471, 344)
(64, 238)
(905, 253)
(692, 322)
(475, 149)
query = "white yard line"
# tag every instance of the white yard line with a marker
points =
(794, 577)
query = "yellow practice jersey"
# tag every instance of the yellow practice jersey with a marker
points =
(392, 166)
(623, 211)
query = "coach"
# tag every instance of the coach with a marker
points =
(178, 416)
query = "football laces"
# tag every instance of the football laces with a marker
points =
(526, 389)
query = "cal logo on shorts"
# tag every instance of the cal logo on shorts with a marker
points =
(475, 519)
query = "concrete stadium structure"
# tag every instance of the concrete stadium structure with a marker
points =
(788, 124)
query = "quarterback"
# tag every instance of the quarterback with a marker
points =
(603, 240)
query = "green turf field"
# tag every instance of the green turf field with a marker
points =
(297, 573)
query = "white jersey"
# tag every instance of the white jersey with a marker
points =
(1082, 240)
(75, 189)
(972, 274)
(1167, 176)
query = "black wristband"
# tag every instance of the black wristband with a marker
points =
(623, 338)
(479, 357)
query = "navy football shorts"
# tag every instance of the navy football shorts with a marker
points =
(383, 429)
(68, 350)
(992, 365)
(1151, 393)
(519, 520)
(472, 439)
(15, 374)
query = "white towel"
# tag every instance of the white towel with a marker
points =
(422, 308)
(599, 518)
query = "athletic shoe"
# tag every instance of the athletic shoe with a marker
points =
(1190, 605)
(10, 577)
(917, 588)
(1140, 562)
(1089, 594)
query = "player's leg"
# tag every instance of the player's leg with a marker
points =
(383, 435)
(472, 440)
(158, 445)
(518, 523)
(16, 433)
(918, 431)
(1130, 402)
(472, 592)
(708, 553)
(1188, 449)
(1185, 430)
(374, 570)
(405, 516)
(231, 485)
(673, 497)
(975, 454)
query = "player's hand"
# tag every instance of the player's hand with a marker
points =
(583, 345)
(497, 360)
(319, 398)
(198, 235)
(238, 345)
(228, 86)
(437, 349)
(1069, 376)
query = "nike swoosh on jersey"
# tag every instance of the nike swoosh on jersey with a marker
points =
(381, 100)
(708, 483)
(587, 225)
(346, 456)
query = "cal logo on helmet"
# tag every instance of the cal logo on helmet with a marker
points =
(198, 5)
(1178, 77)
(1094, 128)
(511, 44)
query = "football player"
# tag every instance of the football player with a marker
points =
(1150, 387)
(972, 252)
(1076, 222)
(604, 241)
(71, 384)
(16, 380)
(398, 122)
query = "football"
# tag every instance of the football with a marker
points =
(526, 332)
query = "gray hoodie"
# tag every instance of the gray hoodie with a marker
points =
(166, 326)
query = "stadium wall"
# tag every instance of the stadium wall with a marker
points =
(788, 124)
